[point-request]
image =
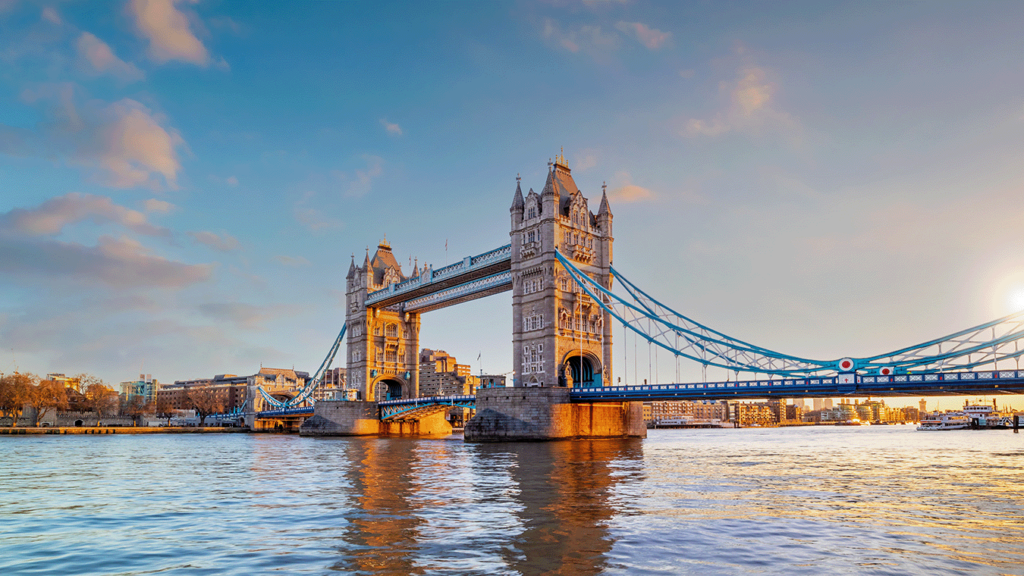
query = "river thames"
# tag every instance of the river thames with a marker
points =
(879, 500)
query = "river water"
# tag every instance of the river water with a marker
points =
(879, 500)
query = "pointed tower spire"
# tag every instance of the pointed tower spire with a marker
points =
(605, 210)
(517, 201)
(549, 184)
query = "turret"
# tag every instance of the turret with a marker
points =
(604, 214)
(518, 204)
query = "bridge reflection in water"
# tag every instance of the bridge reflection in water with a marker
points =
(529, 508)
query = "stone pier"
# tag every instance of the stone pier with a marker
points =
(342, 418)
(518, 414)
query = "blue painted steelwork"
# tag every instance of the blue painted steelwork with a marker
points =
(460, 292)
(298, 411)
(492, 261)
(313, 383)
(983, 345)
(926, 383)
(393, 408)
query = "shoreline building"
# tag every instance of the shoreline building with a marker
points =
(146, 388)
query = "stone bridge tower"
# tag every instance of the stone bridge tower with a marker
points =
(560, 336)
(382, 343)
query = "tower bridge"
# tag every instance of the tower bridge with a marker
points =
(558, 266)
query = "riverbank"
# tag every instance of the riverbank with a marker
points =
(121, 430)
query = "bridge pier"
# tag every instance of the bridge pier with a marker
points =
(531, 414)
(342, 418)
(422, 425)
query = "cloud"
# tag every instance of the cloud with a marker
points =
(361, 182)
(651, 38)
(314, 219)
(231, 181)
(585, 38)
(294, 262)
(124, 143)
(168, 31)
(119, 262)
(102, 60)
(393, 129)
(222, 243)
(628, 192)
(750, 107)
(248, 316)
(132, 146)
(51, 15)
(155, 206)
(585, 160)
(52, 216)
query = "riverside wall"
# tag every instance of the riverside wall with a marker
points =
(533, 414)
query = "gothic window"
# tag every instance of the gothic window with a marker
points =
(376, 330)
(529, 236)
(391, 356)
(391, 331)
(531, 213)
(380, 356)
(564, 284)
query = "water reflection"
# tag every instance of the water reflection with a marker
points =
(566, 492)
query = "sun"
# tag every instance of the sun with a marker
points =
(1016, 299)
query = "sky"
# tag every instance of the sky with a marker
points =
(183, 183)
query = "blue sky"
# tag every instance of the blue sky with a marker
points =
(182, 183)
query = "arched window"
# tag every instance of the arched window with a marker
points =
(391, 331)
(376, 330)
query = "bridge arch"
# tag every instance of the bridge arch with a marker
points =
(388, 388)
(580, 370)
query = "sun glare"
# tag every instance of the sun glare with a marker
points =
(1016, 300)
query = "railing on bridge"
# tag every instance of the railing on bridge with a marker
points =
(934, 384)
(300, 411)
(466, 266)
(392, 408)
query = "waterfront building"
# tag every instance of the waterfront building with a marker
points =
(648, 413)
(146, 388)
(232, 392)
(756, 414)
(794, 412)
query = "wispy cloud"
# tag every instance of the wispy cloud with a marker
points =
(585, 160)
(360, 181)
(391, 128)
(125, 143)
(626, 191)
(749, 107)
(294, 262)
(51, 217)
(51, 15)
(168, 30)
(247, 316)
(651, 38)
(584, 38)
(98, 58)
(223, 242)
(155, 206)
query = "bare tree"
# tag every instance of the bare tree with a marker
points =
(16, 390)
(135, 407)
(102, 399)
(49, 395)
(205, 401)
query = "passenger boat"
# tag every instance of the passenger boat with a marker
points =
(945, 421)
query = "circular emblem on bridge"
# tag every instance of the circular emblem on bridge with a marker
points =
(885, 371)
(846, 364)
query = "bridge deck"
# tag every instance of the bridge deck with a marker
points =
(470, 278)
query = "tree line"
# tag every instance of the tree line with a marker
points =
(19, 391)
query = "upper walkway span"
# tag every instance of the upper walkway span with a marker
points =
(471, 278)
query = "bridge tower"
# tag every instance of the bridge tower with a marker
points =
(383, 343)
(560, 336)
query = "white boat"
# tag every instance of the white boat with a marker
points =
(945, 421)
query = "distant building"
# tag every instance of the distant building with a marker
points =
(686, 412)
(146, 387)
(756, 414)
(441, 375)
(818, 404)
(648, 413)
(333, 386)
(795, 412)
(236, 392)
(922, 406)
(72, 382)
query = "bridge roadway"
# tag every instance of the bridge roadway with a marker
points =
(471, 278)
(922, 384)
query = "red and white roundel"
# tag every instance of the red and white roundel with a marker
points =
(846, 364)
(885, 371)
